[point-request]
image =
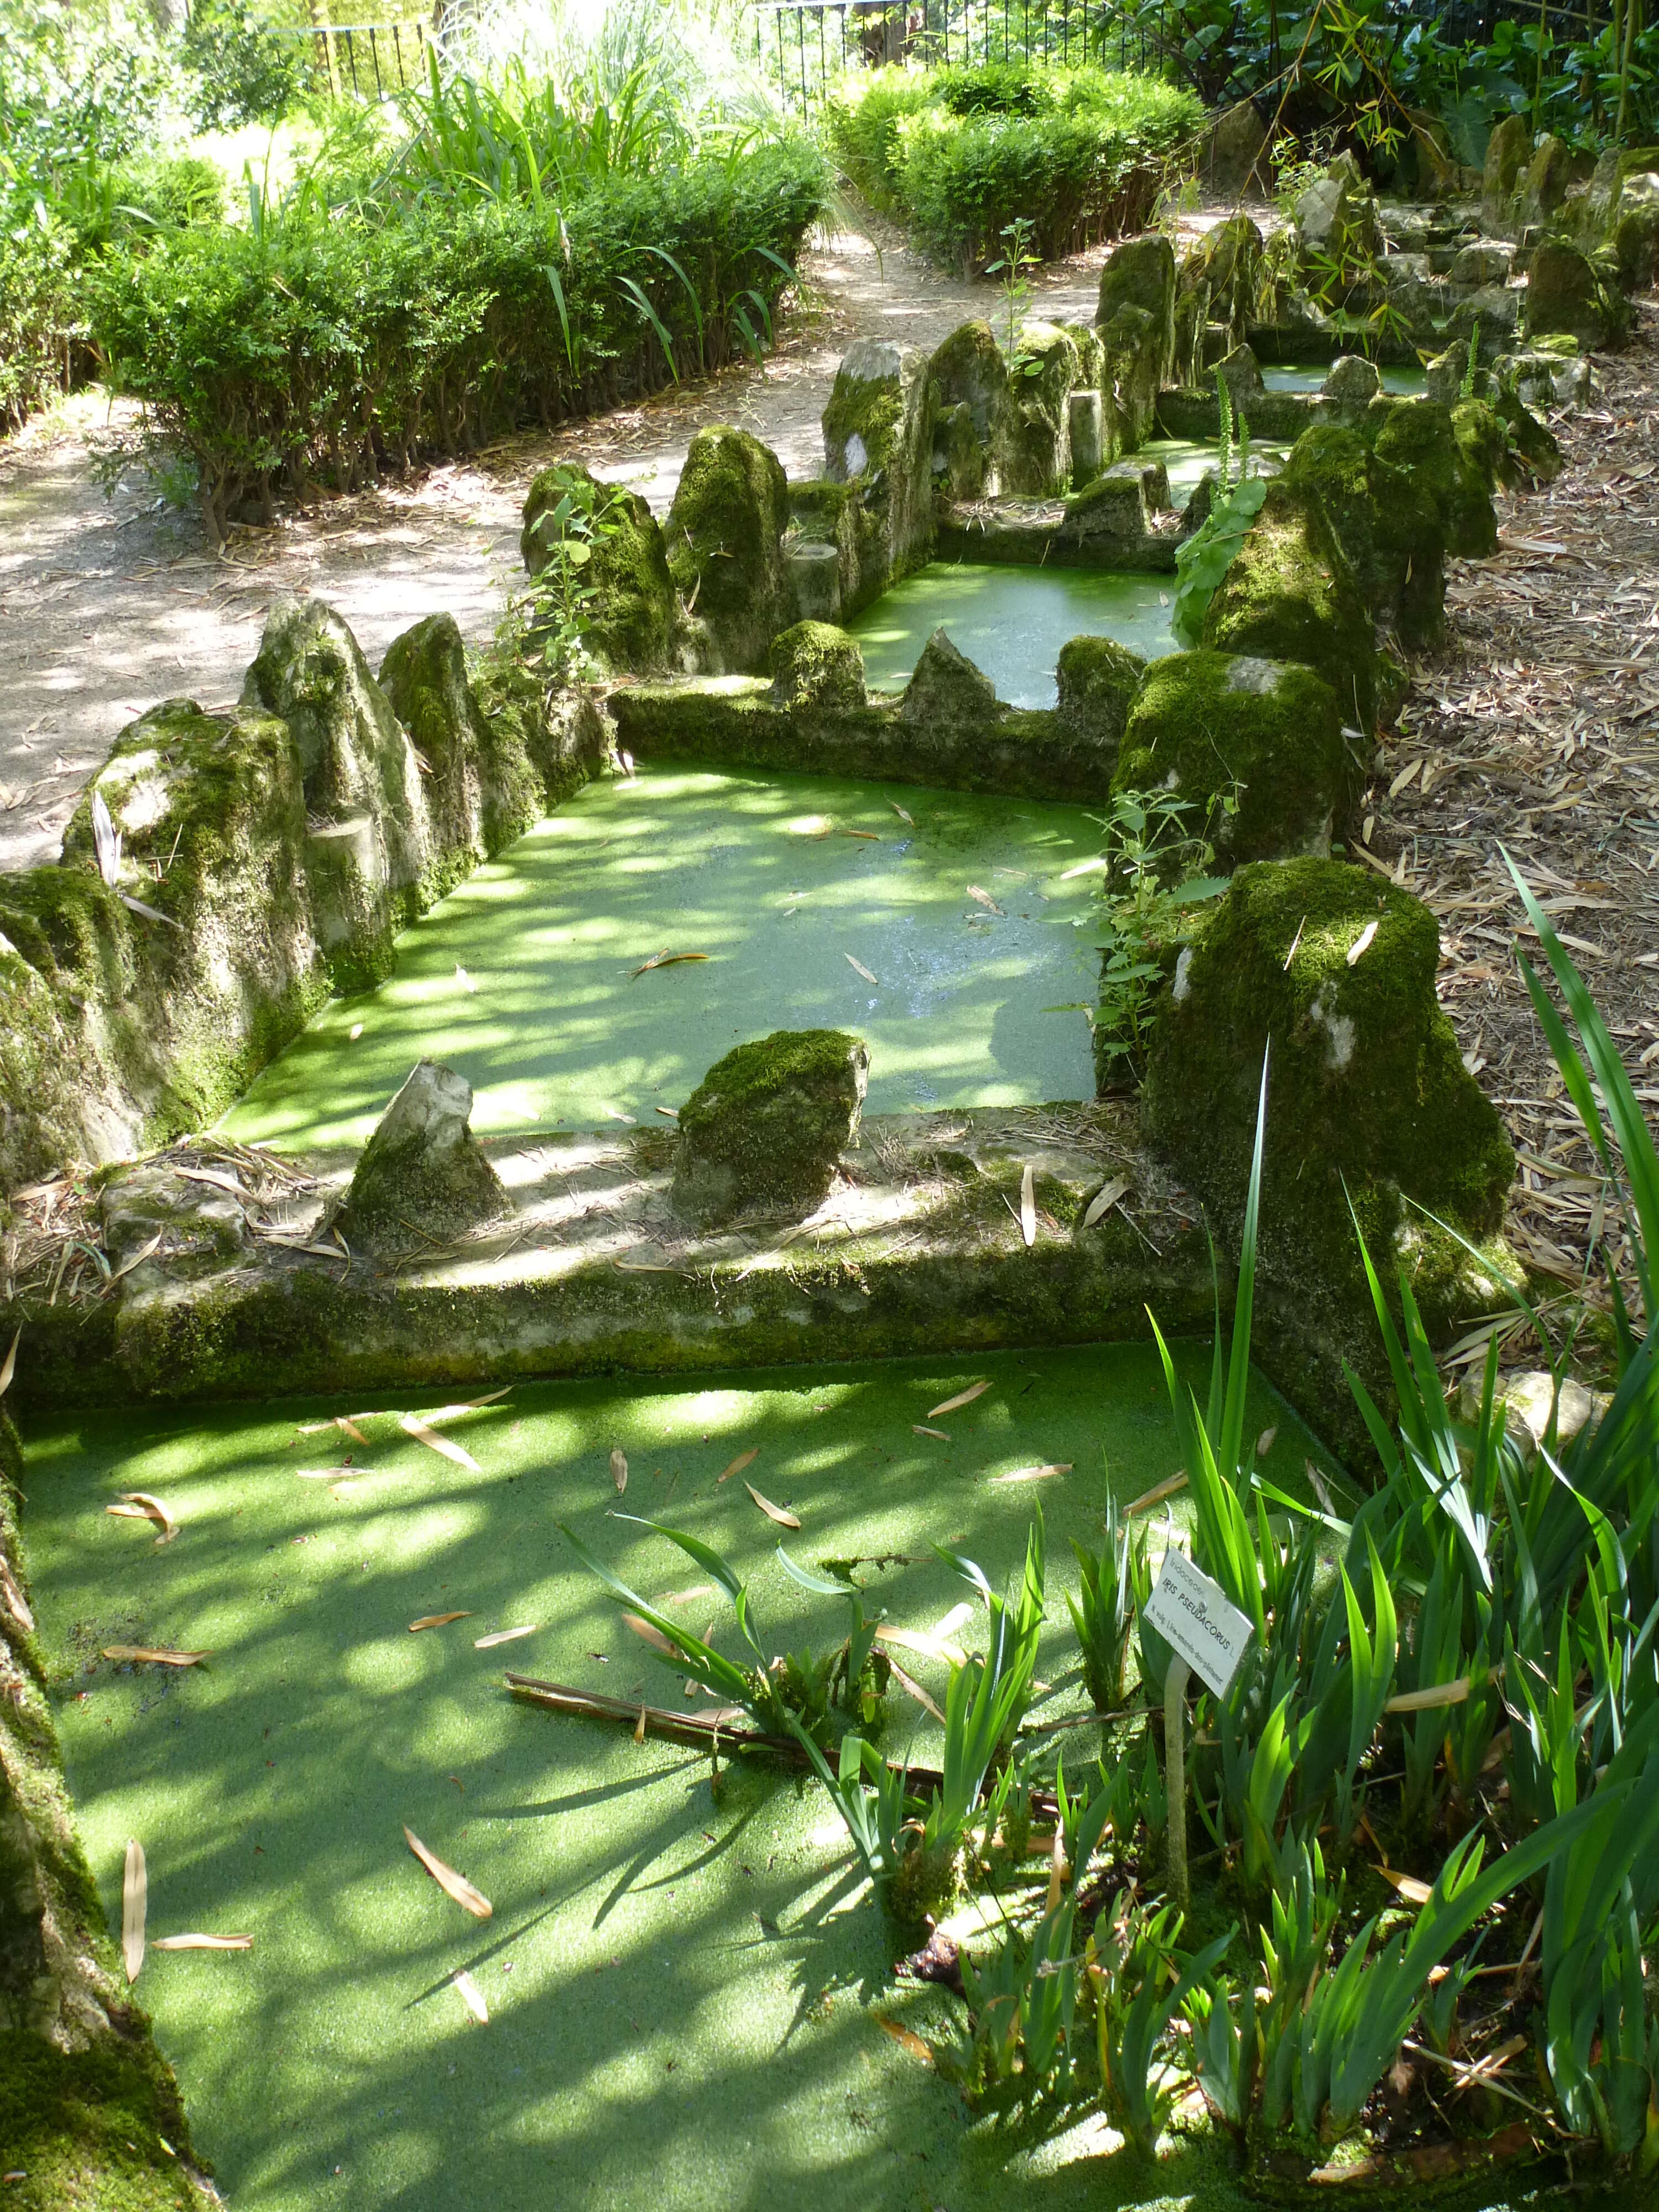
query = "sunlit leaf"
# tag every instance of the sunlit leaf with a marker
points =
(452, 1884)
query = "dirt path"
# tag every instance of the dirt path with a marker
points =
(109, 605)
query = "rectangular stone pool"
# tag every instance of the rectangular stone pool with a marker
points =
(679, 1978)
(524, 978)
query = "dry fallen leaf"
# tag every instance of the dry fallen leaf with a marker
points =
(906, 2038)
(135, 1889)
(743, 1460)
(454, 1412)
(963, 1398)
(1413, 1891)
(1035, 1473)
(9, 1367)
(1028, 1206)
(201, 1943)
(619, 1467)
(501, 1635)
(324, 1473)
(1102, 1201)
(464, 978)
(648, 1632)
(901, 813)
(472, 1998)
(984, 899)
(868, 836)
(1157, 1494)
(639, 1727)
(1361, 942)
(859, 968)
(1428, 1699)
(412, 1425)
(17, 1603)
(137, 1260)
(1264, 1442)
(921, 1429)
(778, 1513)
(135, 1652)
(139, 1505)
(666, 959)
(435, 1620)
(452, 1884)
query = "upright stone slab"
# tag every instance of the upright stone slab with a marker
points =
(1367, 1100)
(1096, 679)
(973, 413)
(370, 842)
(1387, 525)
(724, 541)
(1290, 595)
(1564, 297)
(422, 1177)
(1141, 273)
(1255, 747)
(945, 686)
(761, 1132)
(1508, 151)
(631, 621)
(879, 441)
(482, 788)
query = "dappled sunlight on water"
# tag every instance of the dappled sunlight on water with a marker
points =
(523, 979)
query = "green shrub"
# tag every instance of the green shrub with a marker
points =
(326, 342)
(963, 152)
(38, 325)
(244, 72)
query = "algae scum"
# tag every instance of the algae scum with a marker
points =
(524, 979)
(679, 1980)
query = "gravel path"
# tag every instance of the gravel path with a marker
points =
(108, 605)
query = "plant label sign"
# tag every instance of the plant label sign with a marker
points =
(1194, 1615)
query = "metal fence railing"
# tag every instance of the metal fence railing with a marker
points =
(803, 46)
(364, 61)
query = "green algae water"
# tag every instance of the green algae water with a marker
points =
(1010, 622)
(524, 979)
(1402, 379)
(1187, 459)
(682, 1984)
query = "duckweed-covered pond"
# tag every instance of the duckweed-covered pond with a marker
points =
(1010, 622)
(524, 979)
(684, 1987)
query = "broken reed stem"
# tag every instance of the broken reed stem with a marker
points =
(703, 1730)
(1175, 1788)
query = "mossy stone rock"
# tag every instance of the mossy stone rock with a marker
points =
(761, 1132)
(1223, 267)
(816, 666)
(724, 545)
(1543, 189)
(1265, 735)
(1419, 437)
(1049, 369)
(421, 1175)
(1290, 595)
(1131, 377)
(371, 845)
(1354, 381)
(482, 791)
(973, 411)
(946, 687)
(879, 441)
(1388, 527)
(1508, 151)
(1367, 1100)
(1141, 273)
(1098, 679)
(632, 623)
(1565, 297)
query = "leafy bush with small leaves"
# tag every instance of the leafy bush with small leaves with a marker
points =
(243, 71)
(963, 154)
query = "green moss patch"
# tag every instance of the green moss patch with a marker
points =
(1290, 595)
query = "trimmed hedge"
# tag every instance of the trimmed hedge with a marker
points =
(961, 153)
(328, 343)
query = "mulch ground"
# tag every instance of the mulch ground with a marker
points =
(1537, 730)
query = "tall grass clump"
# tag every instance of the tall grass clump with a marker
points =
(961, 154)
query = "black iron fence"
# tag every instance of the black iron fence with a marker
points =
(364, 61)
(803, 46)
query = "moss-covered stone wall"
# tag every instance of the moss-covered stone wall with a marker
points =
(90, 2115)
